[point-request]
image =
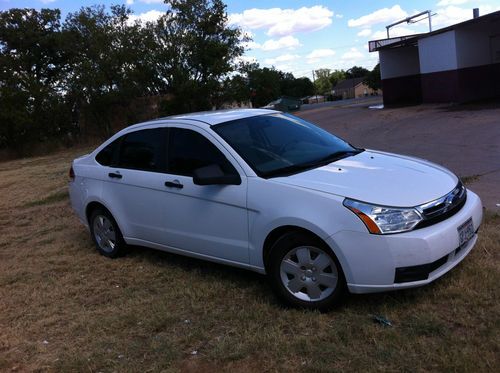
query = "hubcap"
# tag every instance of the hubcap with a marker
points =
(309, 273)
(104, 233)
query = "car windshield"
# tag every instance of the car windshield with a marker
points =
(282, 144)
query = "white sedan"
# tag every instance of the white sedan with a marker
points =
(272, 193)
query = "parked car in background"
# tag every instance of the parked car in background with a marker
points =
(270, 192)
(284, 104)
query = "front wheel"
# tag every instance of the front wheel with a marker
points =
(305, 273)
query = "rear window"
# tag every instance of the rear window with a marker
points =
(107, 156)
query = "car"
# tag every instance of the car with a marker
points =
(272, 193)
(284, 104)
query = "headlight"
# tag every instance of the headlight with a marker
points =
(383, 219)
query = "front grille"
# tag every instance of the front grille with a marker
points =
(442, 208)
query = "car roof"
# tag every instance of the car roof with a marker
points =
(220, 116)
(202, 118)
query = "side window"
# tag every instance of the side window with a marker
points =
(189, 150)
(143, 150)
(107, 155)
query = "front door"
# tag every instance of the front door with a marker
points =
(210, 220)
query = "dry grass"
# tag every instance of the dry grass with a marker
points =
(65, 308)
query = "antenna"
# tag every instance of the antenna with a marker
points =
(411, 20)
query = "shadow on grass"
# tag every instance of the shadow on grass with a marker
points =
(189, 264)
(246, 279)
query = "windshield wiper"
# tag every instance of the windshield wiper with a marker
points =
(336, 156)
(313, 164)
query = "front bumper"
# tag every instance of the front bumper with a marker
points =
(370, 262)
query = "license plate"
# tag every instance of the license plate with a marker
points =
(465, 232)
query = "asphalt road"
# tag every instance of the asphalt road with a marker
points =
(465, 139)
(369, 100)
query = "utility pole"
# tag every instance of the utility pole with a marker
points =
(315, 92)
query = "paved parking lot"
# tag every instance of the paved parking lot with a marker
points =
(466, 139)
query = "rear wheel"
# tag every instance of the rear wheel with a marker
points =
(305, 273)
(106, 234)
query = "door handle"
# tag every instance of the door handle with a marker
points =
(174, 184)
(114, 175)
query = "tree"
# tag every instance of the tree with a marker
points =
(196, 50)
(373, 80)
(264, 85)
(295, 87)
(336, 76)
(356, 72)
(31, 64)
(98, 63)
(110, 63)
(234, 89)
(322, 81)
(326, 79)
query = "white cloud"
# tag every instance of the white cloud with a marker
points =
(252, 45)
(151, 1)
(352, 54)
(451, 2)
(339, 16)
(283, 22)
(450, 15)
(47, 1)
(130, 2)
(365, 33)
(149, 16)
(286, 42)
(393, 32)
(282, 58)
(386, 15)
(453, 14)
(246, 59)
(321, 53)
(318, 54)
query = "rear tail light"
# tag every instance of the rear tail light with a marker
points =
(71, 174)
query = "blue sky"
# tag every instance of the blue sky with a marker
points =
(301, 35)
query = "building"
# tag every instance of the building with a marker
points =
(350, 88)
(459, 63)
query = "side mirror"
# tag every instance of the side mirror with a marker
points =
(213, 175)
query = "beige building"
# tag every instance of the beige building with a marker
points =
(350, 88)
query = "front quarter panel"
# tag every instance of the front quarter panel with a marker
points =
(272, 205)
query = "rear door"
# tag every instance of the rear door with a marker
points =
(134, 184)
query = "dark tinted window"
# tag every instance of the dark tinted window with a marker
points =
(189, 150)
(143, 150)
(107, 155)
(280, 144)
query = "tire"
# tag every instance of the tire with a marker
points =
(105, 233)
(305, 273)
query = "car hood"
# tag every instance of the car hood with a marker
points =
(378, 178)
